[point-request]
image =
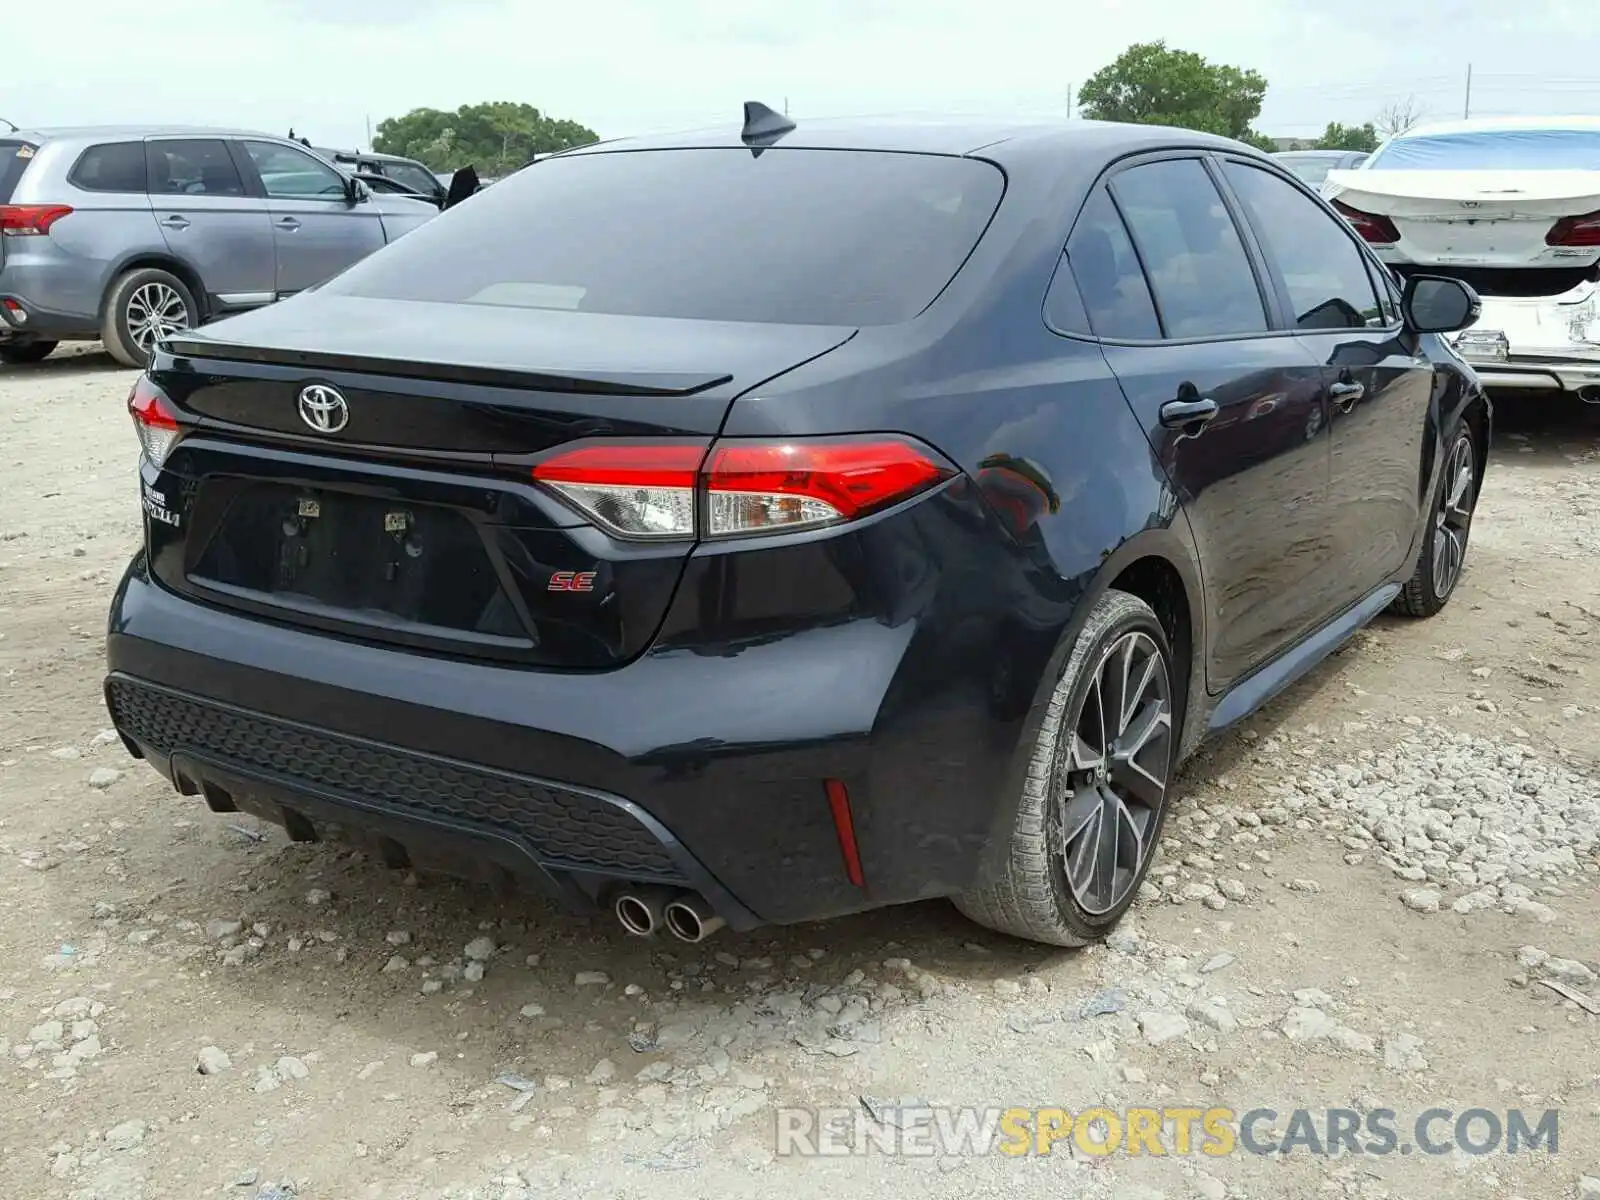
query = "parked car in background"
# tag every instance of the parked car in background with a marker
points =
(407, 172)
(1512, 206)
(129, 234)
(1313, 165)
(899, 542)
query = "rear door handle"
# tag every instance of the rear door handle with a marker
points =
(1346, 394)
(1192, 415)
(176, 222)
(288, 223)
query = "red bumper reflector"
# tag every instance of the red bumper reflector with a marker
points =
(844, 826)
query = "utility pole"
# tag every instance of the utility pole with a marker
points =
(1069, 102)
(786, 106)
(1466, 108)
(369, 131)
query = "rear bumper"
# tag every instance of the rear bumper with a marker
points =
(1543, 343)
(1529, 373)
(411, 807)
(54, 312)
(701, 766)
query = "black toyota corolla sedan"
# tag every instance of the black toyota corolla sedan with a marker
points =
(764, 524)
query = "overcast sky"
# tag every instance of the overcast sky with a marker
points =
(623, 66)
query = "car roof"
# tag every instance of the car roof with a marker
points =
(1500, 125)
(373, 155)
(76, 132)
(1316, 153)
(930, 135)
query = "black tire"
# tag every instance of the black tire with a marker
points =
(1034, 897)
(26, 352)
(1443, 557)
(126, 327)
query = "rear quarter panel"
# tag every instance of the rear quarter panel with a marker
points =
(1061, 491)
(69, 271)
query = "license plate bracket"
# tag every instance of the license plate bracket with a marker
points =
(1486, 345)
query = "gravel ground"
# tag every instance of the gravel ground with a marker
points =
(1379, 893)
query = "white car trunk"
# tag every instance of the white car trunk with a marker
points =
(1496, 218)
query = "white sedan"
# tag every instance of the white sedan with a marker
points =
(1511, 205)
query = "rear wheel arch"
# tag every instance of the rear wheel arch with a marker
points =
(160, 262)
(1155, 579)
(1159, 567)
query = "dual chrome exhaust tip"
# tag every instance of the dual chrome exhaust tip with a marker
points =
(646, 911)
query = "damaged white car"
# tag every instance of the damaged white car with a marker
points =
(1511, 206)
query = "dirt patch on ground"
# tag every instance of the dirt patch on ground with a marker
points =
(1357, 909)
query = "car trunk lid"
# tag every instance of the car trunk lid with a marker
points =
(1496, 218)
(417, 521)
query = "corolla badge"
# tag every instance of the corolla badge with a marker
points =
(323, 408)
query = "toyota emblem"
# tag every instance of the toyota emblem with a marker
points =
(323, 408)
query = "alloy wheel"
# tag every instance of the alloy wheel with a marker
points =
(1453, 519)
(155, 311)
(1110, 781)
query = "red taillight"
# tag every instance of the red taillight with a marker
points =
(30, 220)
(747, 486)
(1372, 227)
(1575, 231)
(153, 420)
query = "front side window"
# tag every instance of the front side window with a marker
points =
(111, 167)
(786, 236)
(290, 174)
(412, 177)
(193, 167)
(1325, 273)
(1109, 278)
(1197, 265)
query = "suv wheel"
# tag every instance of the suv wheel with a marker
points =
(1096, 793)
(26, 352)
(1444, 551)
(143, 307)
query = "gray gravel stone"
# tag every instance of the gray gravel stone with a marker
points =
(1159, 1027)
(126, 1135)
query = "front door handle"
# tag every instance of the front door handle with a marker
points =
(1190, 415)
(1345, 394)
(288, 223)
(176, 222)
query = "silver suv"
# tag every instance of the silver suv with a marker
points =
(128, 234)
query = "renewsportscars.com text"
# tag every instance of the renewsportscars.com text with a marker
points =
(922, 1130)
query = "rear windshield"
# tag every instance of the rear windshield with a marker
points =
(1493, 150)
(14, 159)
(808, 237)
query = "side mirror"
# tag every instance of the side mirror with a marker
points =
(355, 191)
(1438, 304)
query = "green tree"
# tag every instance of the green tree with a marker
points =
(1150, 84)
(1349, 137)
(495, 138)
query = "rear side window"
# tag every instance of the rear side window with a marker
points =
(193, 167)
(808, 237)
(1197, 265)
(111, 167)
(1325, 273)
(14, 159)
(1110, 280)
